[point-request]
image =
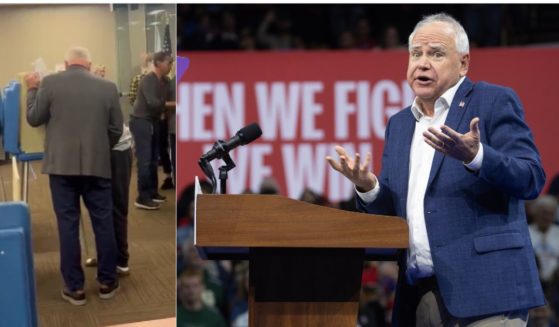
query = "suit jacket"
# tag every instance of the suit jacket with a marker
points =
(83, 122)
(482, 255)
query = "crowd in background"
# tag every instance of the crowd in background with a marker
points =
(354, 26)
(216, 292)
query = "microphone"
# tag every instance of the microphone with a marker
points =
(244, 136)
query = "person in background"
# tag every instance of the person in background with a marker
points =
(164, 144)
(239, 301)
(554, 191)
(121, 170)
(545, 235)
(172, 126)
(152, 99)
(165, 150)
(390, 38)
(191, 310)
(121, 167)
(146, 67)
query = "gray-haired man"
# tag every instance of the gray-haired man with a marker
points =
(83, 122)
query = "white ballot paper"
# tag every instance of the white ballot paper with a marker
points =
(39, 67)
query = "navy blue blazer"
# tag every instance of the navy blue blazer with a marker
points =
(481, 249)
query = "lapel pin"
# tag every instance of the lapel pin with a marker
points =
(461, 104)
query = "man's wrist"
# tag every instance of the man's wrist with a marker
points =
(370, 195)
(363, 190)
(366, 188)
(475, 163)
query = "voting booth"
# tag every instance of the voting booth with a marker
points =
(23, 142)
(2, 183)
(18, 306)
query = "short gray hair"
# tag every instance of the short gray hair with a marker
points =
(78, 53)
(460, 36)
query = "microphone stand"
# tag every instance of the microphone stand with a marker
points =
(208, 171)
(223, 170)
(229, 164)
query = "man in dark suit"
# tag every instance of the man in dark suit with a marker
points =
(457, 165)
(83, 122)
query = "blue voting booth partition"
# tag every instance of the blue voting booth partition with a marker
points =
(11, 126)
(10, 117)
(1, 113)
(10, 112)
(2, 186)
(17, 299)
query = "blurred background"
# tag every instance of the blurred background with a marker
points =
(355, 26)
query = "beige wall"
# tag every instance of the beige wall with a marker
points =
(47, 31)
(137, 37)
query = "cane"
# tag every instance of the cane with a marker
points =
(91, 261)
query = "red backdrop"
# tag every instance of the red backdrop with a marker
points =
(306, 102)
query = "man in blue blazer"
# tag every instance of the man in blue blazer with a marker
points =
(457, 165)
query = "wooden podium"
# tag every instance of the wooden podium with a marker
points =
(305, 260)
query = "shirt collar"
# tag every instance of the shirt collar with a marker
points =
(446, 99)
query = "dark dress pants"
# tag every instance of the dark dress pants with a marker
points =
(97, 196)
(164, 146)
(146, 138)
(173, 144)
(121, 169)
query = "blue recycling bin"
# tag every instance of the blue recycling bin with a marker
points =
(18, 305)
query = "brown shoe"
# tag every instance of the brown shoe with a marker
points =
(75, 298)
(108, 291)
(91, 262)
(122, 271)
(158, 198)
(146, 204)
(168, 184)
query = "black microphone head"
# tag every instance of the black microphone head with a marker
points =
(249, 133)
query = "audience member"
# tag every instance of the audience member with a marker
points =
(223, 27)
(346, 41)
(269, 185)
(391, 38)
(239, 303)
(216, 277)
(371, 312)
(281, 39)
(545, 235)
(554, 191)
(363, 35)
(541, 317)
(191, 309)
